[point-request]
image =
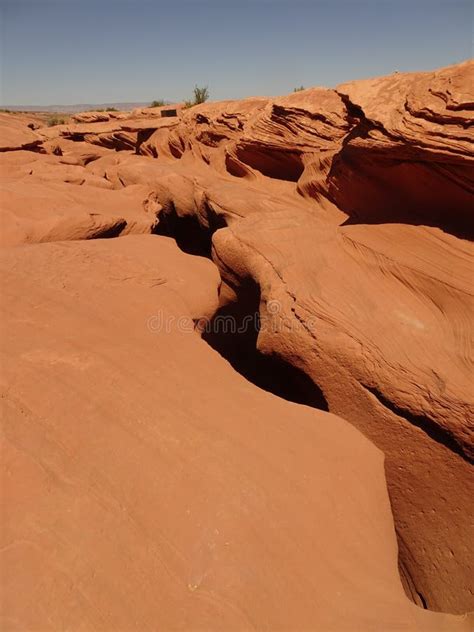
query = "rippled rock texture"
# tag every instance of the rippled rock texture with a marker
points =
(344, 218)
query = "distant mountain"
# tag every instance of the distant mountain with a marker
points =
(79, 107)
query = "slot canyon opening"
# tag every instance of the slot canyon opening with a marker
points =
(233, 333)
(188, 233)
(273, 163)
(191, 236)
(234, 328)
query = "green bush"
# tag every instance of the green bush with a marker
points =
(200, 94)
(55, 120)
(157, 104)
(299, 89)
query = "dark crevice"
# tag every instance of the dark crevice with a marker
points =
(191, 236)
(362, 125)
(234, 329)
(233, 333)
(422, 599)
(354, 111)
(35, 147)
(428, 425)
(142, 136)
(274, 163)
(75, 136)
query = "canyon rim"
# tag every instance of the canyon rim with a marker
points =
(237, 362)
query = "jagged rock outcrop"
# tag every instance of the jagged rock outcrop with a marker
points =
(395, 149)
(410, 159)
(343, 216)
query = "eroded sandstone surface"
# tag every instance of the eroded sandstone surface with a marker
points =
(145, 479)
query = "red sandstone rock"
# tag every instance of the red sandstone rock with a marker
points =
(122, 133)
(342, 215)
(91, 117)
(15, 133)
(398, 353)
(139, 493)
(96, 117)
(44, 199)
(411, 160)
(162, 111)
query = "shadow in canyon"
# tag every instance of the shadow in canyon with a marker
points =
(233, 333)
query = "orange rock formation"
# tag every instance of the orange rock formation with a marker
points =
(146, 482)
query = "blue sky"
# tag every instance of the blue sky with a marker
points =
(84, 51)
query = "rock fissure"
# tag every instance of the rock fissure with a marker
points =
(339, 223)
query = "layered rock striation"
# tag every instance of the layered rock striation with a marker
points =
(344, 217)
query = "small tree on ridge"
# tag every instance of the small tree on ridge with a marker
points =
(200, 94)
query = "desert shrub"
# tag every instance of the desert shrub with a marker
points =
(111, 110)
(55, 120)
(157, 104)
(299, 89)
(200, 94)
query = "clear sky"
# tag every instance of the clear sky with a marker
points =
(98, 51)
